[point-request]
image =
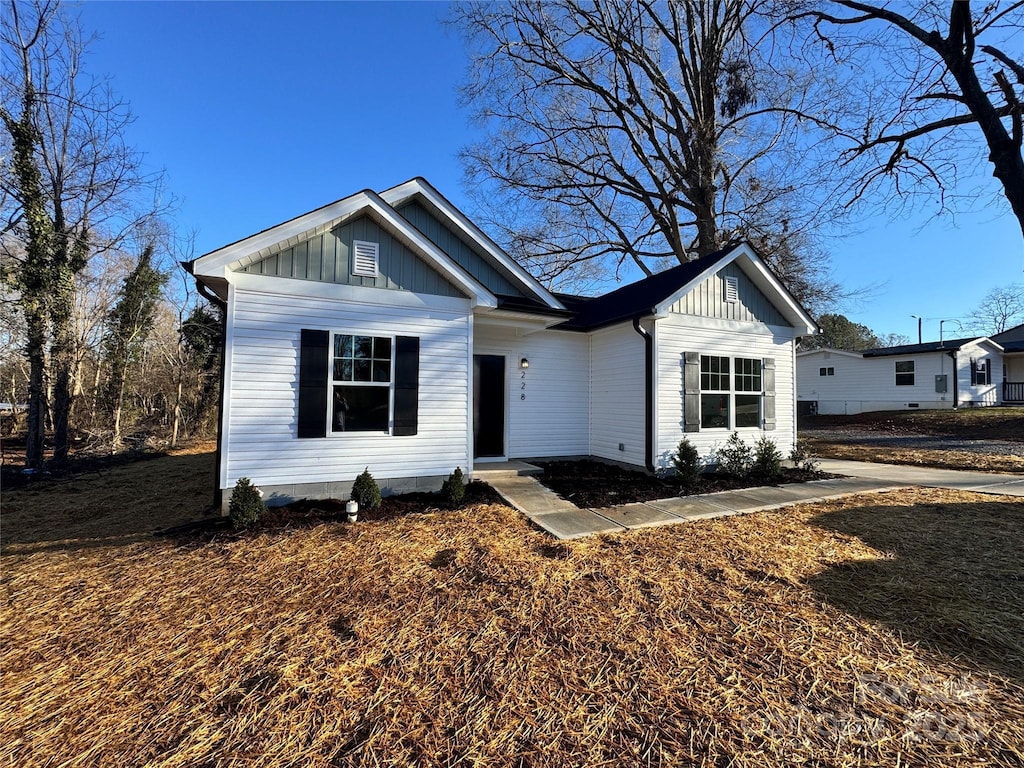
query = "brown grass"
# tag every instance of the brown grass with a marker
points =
(946, 459)
(879, 630)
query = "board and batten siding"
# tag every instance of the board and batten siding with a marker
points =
(983, 394)
(708, 300)
(869, 383)
(260, 439)
(327, 258)
(617, 404)
(460, 251)
(678, 334)
(548, 403)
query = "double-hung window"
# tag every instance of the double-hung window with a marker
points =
(981, 372)
(361, 374)
(748, 392)
(730, 392)
(905, 373)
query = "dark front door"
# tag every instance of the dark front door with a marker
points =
(488, 406)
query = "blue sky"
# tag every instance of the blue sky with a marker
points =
(263, 111)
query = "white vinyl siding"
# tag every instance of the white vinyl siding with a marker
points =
(674, 336)
(260, 440)
(869, 383)
(617, 395)
(553, 419)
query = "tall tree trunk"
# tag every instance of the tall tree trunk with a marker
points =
(177, 413)
(36, 354)
(62, 359)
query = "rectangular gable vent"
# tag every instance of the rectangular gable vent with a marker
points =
(732, 290)
(364, 258)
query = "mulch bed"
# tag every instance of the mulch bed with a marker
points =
(595, 484)
(312, 512)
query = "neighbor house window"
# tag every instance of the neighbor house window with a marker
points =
(827, 371)
(730, 401)
(981, 372)
(905, 373)
(361, 383)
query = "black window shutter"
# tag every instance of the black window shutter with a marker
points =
(313, 364)
(407, 385)
(691, 392)
(768, 380)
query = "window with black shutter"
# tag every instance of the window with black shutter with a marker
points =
(357, 383)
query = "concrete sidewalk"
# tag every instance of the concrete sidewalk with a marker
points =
(565, 520)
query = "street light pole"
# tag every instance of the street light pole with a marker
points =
(918, 328)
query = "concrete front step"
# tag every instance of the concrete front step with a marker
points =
(488, 471)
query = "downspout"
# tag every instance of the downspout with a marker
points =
(213, 298)
(648, 393)
(956, 376)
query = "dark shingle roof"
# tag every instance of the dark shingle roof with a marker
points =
(928, 346)
(1011, 337)
(639, 298)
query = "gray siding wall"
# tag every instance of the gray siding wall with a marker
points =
(326, 258)
(458, 249)
(707, 300)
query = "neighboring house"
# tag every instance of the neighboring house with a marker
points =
(388, 331)
(1012, 342)
(948, 374)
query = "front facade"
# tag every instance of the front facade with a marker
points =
(1012, 342)
(952, 374)
(387, 331)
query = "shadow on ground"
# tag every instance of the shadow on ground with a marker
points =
(951, 576)
(107, 507)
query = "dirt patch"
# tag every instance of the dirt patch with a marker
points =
(990, 423)
(593, 484)
(886, 452)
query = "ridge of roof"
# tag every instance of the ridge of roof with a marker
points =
(639, 298)
(928, 346)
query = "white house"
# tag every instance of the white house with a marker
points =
(948, 374)
(1012, 342)
(388, 331)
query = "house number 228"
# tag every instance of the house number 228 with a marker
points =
(522, 385)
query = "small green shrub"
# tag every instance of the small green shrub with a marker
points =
(246, 505)
(453, 490)
(686, 463)
(735, 457)
(803, 457)
(366, 491)
(767, 459)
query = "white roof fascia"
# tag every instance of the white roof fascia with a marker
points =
(762, 278)
(220, 263)
(467, 227)
(830, 350)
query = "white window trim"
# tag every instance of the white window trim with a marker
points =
(897, 373)
(332, 383)
(732, 392)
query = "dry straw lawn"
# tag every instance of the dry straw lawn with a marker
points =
(879, 630)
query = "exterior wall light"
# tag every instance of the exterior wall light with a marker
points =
(524, 363)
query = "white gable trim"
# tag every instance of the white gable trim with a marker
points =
(222, 262)
(421, 186)
(762, 277)
(830, 350)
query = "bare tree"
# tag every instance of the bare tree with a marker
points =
(645, 131)
(73, 189)
(1002, 308)
(947, 92)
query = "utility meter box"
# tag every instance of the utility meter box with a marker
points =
(940, 382)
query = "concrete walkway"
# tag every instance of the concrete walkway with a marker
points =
(564, 520)
(931, 477)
